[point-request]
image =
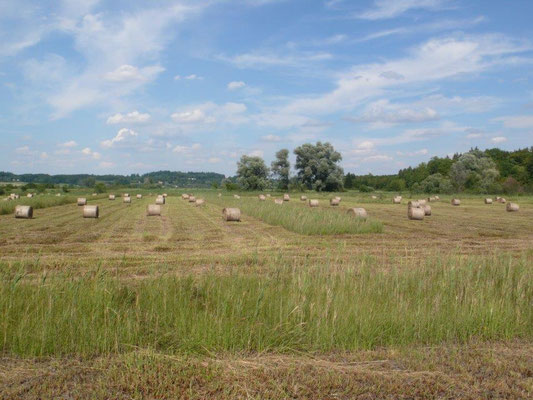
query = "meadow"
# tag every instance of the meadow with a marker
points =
(291, 301)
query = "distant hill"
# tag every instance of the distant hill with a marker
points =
(171, 178)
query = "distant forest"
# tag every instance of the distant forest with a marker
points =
(181, 179)
(489, 171)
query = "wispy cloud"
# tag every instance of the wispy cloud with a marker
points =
(384, 9)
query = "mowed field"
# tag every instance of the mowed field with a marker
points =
(187, 305)
(186, 237)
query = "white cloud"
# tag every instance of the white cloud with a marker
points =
(384, 9)
(421, 152)
(123, 136)
(132, 117)
(265, 59)
(25, 150)
(384, 112)
(377, 158)
(236, 85)
(517, 121)
(192, 117)
(209, 113)
(498, 139)
(271, 138)
(69, 144)
(186, 149)
(214, 160)
(435, 60)
(256, 153)
(191, 77)
(88, 152)
(120, 51)
(126, 73)
(474, 135)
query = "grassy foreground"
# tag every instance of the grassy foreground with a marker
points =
(309, 308)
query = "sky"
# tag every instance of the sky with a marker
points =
(116, 86)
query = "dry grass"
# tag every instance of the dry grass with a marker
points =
(477, 371)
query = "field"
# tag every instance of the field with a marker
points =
(291, 302)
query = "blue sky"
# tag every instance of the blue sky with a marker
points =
(96, 86)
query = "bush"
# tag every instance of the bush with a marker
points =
(366, 189)
(512, 186)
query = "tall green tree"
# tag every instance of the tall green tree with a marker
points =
(252, 173)
(318, 168)
(281, 168)
(474, 171)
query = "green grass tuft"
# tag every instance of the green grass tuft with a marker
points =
(300, 308)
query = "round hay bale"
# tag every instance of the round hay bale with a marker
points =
(334, 202)
(397, 200)
(231, 214)
(313, 203)
(437, 198)
(278, 201)
(153, 210)
(374, 197)
(456, 202)
(139, 196)
(511, 207)
(165, 195)
(24, 212)
(125, 195)
(488, 201)
(498, 198)
(338, 198)
(160, 200)
(111, 197)
(185, 196)
(262, 197)
(199, 202)
(427, 209)
(95, 194)
(236, 196)
(192, 199)
(126, 199)
(82, 201)
(358, 212)
(268, 194)
(286, 197)
(413, 204)
(422, 202)
(90, 212)
(416, 213)
(220, 195)
(303, 198)
(29, 195)
(431, 199)
(502, 200)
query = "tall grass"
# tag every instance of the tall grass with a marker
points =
(305, 220)
(8, 207)
(304, 308)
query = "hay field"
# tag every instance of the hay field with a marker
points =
(187, 305)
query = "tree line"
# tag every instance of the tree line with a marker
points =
(476, 171)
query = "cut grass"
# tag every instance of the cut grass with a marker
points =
(305, 220)
(305, 308)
